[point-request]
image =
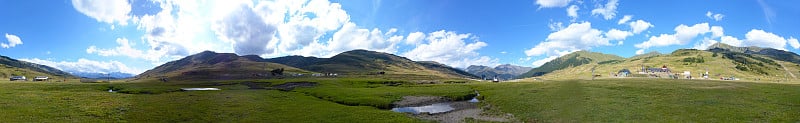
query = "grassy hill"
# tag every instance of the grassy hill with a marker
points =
(12, 67)
(571, 60)
(717, 61)
(209, 65)
(364, 62)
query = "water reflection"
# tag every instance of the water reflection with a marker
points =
(432, 109)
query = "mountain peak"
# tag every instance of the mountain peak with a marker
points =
(724, 46)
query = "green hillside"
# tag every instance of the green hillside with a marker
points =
(12, 67)
(572, 60)
(719, 64)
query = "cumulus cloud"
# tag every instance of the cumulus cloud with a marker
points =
(715, 17)
(124, 49)
(761, 38)
(415, 38)
(85, 65)
(452, 49)
(552, 3)
(301, 30)
(703, 45)
(609, 10)
(247, 31)
(625, 19)
(639, 25)
(351, 37)
(572, 11)
(13, 40)
(555, 26)
(717, 31)
(615, 34)
(683, 35)
(576, 36)
(793, 42)
(730, 40)
(108, 11)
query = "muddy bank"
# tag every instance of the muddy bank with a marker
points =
(291, 85)
(256, 85)
(411, 101)
(458, 110)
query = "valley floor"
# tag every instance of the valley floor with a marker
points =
(369, 100)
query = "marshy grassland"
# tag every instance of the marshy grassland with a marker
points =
(369, 100)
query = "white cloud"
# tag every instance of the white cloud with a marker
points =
(351, 37)
(703, 45)
(683, 35)
(552, 3)
(731, 41)
(301, 30)
(576, 36)
(108, 11)
(555, 26)
(415, 38)
(639, 25)
(609, 10)
(572, 11)
(761, 38)
(715, 17)
(85, 65)
(793, 42)
(503, 52)
(13, 40)
(717, 31)
(640, 51)
(125, 48)
(452, 49)
(625, 19)
(247, 31)
(615, 34)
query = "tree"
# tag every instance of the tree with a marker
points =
(278, 71)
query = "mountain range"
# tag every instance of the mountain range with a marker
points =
(505, 71)
(210, 65)
(112, 75)
(371, 62)
(571, 60)
(720, 61)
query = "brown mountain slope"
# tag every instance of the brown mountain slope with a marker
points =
(209, 65)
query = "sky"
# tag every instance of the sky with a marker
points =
(132, 36)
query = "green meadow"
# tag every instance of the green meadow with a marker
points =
(369, 100)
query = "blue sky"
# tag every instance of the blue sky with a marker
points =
(137, 35)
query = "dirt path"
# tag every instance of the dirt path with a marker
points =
(787, 70)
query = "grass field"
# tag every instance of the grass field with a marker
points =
(366, 100)
(646, 100)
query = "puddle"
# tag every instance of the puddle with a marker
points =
(200, 89)
(431, 109)
(444, 111)
(435, 108)
(475, 99)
